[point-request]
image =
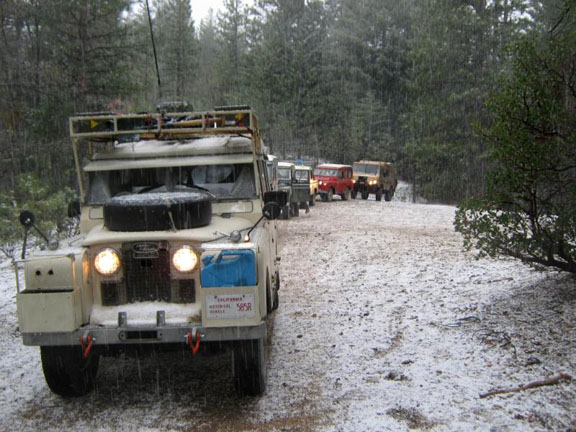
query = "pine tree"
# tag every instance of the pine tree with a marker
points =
(177, 48)
(456, 55)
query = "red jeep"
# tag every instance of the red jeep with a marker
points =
(334, 179)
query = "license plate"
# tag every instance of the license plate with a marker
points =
(226, 306)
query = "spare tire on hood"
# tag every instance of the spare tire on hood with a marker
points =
(158, 211)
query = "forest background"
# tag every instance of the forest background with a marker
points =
(406, 81)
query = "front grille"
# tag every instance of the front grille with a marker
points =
(110, 293)
(146, 275)
(187, 291)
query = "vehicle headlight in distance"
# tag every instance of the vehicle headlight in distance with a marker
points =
(185, 259)
(107, 262)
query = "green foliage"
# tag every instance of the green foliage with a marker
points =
(456, 53)
(176, 43)
(530, 210)
(33, 194)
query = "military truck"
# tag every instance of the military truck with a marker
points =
(305, 176)
(272, 165)
(298, 191)
(374, 177)
(178, 248)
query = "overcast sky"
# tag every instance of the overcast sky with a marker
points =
(200, 8)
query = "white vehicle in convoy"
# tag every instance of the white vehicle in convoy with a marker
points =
(178, 247)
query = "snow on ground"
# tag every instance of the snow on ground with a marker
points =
(385, 324)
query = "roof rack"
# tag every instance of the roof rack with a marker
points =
(174, 125)
(107, 128)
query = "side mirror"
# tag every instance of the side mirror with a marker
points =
(27, 220)
(271, 211)
(279, 197)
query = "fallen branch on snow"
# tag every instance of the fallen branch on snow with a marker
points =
(554, 380)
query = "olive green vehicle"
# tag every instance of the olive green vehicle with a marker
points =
(297, 188)
(305, 176)
(178, 248)
(378, 178)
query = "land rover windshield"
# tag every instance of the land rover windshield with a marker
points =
(302, 176)
(224, 181)
(284, 175)
(363, 169)
(325, 172)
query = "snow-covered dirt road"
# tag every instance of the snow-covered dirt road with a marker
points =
(384, 324)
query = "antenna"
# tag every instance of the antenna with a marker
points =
(154, 49)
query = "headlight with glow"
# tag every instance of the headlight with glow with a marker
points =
(107, 262)
(185, 259)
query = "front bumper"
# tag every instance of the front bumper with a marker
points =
(139, 335)
(365, 187)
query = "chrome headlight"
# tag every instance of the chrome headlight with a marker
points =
(185, 259)
(107, 262)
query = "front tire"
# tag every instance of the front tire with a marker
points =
(249, 365)
(346, 195)
(67, 372)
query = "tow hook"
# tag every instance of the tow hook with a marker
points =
(86, 342)
(193, 341)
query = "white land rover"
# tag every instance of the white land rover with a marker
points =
(178, 247)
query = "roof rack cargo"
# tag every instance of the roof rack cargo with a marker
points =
(172, 125)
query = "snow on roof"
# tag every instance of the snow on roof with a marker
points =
(372, 162)
(333, 166)
(191, 147)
